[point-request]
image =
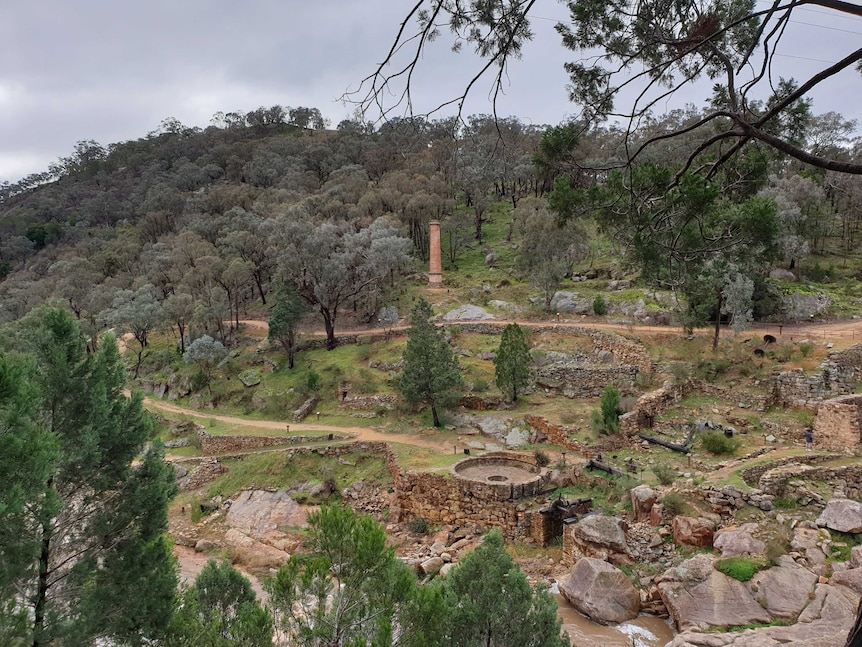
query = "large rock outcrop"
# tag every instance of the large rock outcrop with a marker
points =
(699, 597)
(736, 541)
(598, 536)
(693, 531)
(825, 622)
(843, 515)
(601, 592)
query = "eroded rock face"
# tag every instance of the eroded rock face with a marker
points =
(736, 541)
(259, 513)
(825, 622)
(699, 597)
(601, 592)
(842, 515)
(784, 590)
(693, 531)
(643, 498)
(600, 537)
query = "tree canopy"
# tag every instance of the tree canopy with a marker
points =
(651, 51)
(430, 373)
(82, 510)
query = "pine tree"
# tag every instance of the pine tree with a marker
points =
(220, 610)
(430, 374)
(495, 604)
(349, 589)
(512, 362)
(86, 558)
(286, 315)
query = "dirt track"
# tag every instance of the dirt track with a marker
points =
(359, 433)
(842, 334)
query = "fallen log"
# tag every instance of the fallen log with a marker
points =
(604, 467)
(682, 449)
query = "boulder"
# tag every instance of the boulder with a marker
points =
(643, 498)
(262, 514)
(856, 557)
(781, 274)
(468, 313)
(699, 597)
(842, 515)
(569, 303)
(693, 531)
(736, 541)
(808, 541)
(431, 566)
(784, 590)
(851, 578)
(600, 537)
(601, 592)
(825, 622)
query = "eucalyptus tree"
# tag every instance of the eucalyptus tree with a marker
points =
(331, 265)
(549, 250)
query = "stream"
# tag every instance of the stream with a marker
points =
(643, 631)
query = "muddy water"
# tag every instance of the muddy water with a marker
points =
(644, 631)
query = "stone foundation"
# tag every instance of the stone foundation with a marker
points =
(449, 499)
(838, 426)
(839, 374)
(228, 444)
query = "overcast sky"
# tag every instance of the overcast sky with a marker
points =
(111, 70)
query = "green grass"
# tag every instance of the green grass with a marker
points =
(741, 568)
(280, 470)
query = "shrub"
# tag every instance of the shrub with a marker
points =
(740, 568)
(805, 348)
(542, 459)
(607, 419)
(312, 381)
(674, 504)
(665, 475)
(778, 545)
(600, 306)
(715, 442)
(418, 526)
(480, 386)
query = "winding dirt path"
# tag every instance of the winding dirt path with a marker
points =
(842, 334)
(359, 433)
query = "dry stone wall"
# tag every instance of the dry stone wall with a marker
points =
(838, 425)
(585, 381)
(839, 374)
(228, 444)
(449, 499)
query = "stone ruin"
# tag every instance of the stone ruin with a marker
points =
(502, 490)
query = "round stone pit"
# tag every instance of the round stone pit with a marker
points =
(500, 476)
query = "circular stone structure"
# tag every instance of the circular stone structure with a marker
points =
(500, 476)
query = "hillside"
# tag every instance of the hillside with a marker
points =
(185, 244)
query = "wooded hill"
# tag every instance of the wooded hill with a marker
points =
(192, 229)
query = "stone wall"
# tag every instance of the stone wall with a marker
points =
(368, 402)
(556, 434)
(227, 444)
(838, 425)
(847, 478)
(586, 381)
(752, 475)
(839, 374)
(447, 499)
(624, 351)
(650, 405)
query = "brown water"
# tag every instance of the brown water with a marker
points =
(643, 631)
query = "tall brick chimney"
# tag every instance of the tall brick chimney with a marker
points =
(435, 263)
